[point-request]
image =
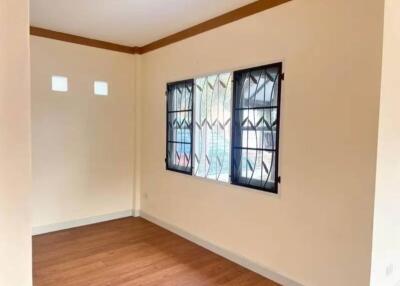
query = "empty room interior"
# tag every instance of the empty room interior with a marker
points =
(199, 143)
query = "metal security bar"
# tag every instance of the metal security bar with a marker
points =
(179, 126)
(212, 126)
(255, 127)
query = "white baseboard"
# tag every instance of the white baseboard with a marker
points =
(136, 213)
(238, 259)
(81, 222)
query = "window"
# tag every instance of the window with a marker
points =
(59, 83)
(101, 88)
(234, 136)
(255, 136)
(212, 126)
(179, 126)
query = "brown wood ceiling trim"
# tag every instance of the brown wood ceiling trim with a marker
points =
(237, 14)
(216, 22)
(81, 40)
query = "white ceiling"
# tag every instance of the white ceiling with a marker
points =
(127, 22)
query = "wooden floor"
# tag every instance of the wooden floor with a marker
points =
(129, 252)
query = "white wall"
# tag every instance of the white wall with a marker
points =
(318, 230)
(386, 247)
(15, 180)
(83, 145)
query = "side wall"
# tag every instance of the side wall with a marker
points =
(318, 230)
(386, 247)
(83, 145)
(15, 165)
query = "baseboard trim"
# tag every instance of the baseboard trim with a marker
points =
(81, 222)
(136, 213)
(238, 259)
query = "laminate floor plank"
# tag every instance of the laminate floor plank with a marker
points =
(131, 252)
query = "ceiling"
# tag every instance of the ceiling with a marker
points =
(126, 22)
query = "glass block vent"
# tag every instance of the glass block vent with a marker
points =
(179, 126)
(212, 126)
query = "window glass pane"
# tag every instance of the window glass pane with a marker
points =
(258, 88)
(180, 97)
(179, 126)
(212, 126)
(255, 168)
(179, 157)
(256, 127)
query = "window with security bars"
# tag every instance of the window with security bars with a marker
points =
(225, 127)
(255, 137)
(212, 126)
(179, 126)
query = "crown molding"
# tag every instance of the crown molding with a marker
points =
(213, 23)
(45, 33)
(234, 15)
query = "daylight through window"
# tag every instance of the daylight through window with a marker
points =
(212, 128)
(234, 136)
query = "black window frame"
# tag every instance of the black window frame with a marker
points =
(235, 179)
(170, 86)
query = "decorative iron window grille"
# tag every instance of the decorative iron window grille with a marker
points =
(179, 126)
(227, 130)
(212, 126)
(255, 127)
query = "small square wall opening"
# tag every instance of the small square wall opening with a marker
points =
(59, 83)
(101, 88)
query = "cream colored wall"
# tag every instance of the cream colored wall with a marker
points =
(318, 230)
(386, 247)
(138, 120)
(15, 174)
(83, 145)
